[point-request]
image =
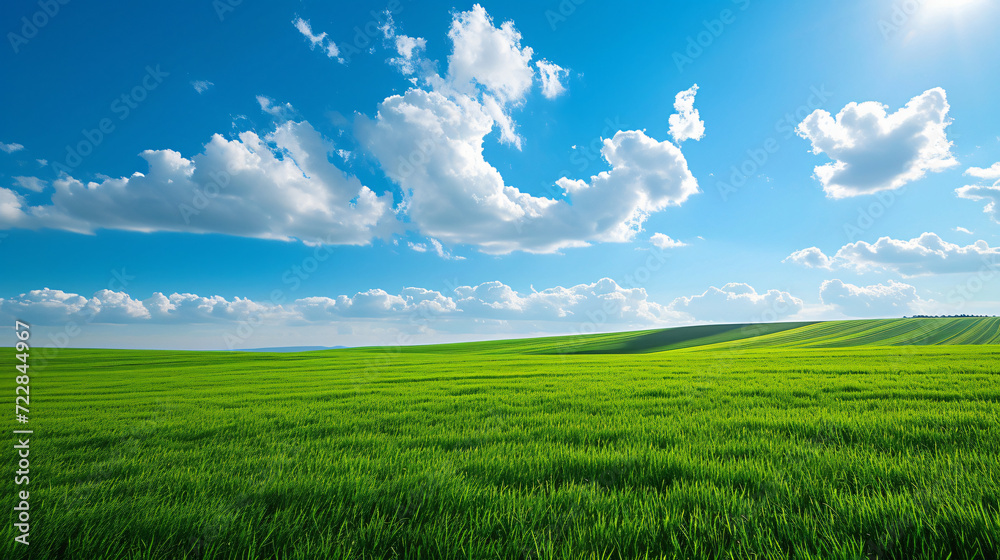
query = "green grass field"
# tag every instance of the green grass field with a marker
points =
(859, 439)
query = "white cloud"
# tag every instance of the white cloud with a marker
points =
(686, 124)
(432, 147)
(430, 142)
(875, 151)
(201, 86)
(321, 40)
(276, 110)
(436, 247)
(489, 56)
(52, 307)
(992, 172)
(982, 192)
(11, 148)
(282, 186)
(12, 209)
(810, 258)
(892, 300)
(409, 49)
(664, 241)
(30, 183)
(374, 304)
(186, 308)
(738, 303)
(989, 194)
(603, 303)
(927, 254)
(551, 75)
(961, 229)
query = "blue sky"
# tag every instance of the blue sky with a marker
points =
(235, 174)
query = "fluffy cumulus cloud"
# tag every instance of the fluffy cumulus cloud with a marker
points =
(429, 141)
(374, 304)
(52, 307)
(812, 257)
(432, 146)
(686, 124)
(551, 75)
(990, 194)
(737, 302)
(926, 254)
(281, 186)
(874, 150)
(992, 172)
(489, 56)
(880, 300)
(602, 302)
(664, 241)
(11, 148)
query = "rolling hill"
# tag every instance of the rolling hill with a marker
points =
(824, 334)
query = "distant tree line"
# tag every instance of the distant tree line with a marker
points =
(945, 316)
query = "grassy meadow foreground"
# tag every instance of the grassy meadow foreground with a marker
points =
(860, 439)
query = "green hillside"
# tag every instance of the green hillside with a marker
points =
(882, 332)
(826, 334)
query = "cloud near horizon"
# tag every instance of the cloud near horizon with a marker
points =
(923, 255)
(878, 300)
(601, 305)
